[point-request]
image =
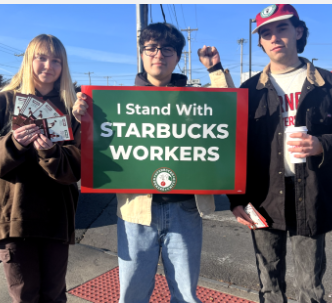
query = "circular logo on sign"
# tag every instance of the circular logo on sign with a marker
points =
(163, 179)
(267, 12)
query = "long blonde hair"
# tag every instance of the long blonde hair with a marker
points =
(23, 81)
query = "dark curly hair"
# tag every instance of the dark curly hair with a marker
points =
(163, 32)
(302, 42)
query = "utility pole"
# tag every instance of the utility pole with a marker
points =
(185, 69)
(250, 39)
(189, 30)
(88, 73)
(141, 23)
(241, 41)
(107, 78)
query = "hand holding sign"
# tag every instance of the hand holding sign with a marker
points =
(80, 107)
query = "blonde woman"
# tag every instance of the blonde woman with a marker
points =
(38, 192)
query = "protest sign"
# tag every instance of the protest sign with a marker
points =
(164, 140)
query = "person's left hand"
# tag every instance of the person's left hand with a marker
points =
(42, 143)
(308, 146)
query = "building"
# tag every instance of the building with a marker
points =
(245, 76)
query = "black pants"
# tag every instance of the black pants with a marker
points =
(35, 269)
(309, 262)
(308, 253)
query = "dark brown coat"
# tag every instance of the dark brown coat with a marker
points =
(38, 191)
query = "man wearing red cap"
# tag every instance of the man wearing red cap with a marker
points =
(295, 199)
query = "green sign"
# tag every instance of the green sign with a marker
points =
(172, 140)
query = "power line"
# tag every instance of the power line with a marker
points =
(9, 66)
(113, 76)
(107, 78)
(176, 16)
(151, 13)
(96, 81)
(7, 49)
(185, 23)
(12, 47)
(241, 41)
(224, 41)
(170, 14)
(196, 20)
(320, 43)
(6, 52)
(162, 10)
(189, 30)
(102, 78)
(89, 73)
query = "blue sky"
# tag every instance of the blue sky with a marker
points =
(101, 38)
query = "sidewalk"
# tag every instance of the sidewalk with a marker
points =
(94, 273)
(227, 255)
(89, 268)
(92, 276)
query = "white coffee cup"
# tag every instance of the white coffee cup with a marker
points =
(292, 130)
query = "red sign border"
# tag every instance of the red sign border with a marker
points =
(241, 141)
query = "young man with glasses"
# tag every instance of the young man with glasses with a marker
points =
(160, 223)
(295, 199)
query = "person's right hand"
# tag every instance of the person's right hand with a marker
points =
(242, 217)
(26, 134)
(209, 56)
(80, 107)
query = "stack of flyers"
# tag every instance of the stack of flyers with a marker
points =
(47, 110)
(254, 215)
(19, 102)
(56, 129)
(27, 108)
(30, 106)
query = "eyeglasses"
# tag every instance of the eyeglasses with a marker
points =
(151, 51)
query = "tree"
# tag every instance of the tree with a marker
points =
(77, 87)
(3, 81)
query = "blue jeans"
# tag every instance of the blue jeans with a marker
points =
(176, 231)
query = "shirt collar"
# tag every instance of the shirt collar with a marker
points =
(313, 76)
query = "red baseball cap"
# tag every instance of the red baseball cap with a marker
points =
(273, 13)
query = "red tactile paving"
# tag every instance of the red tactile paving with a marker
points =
(106, 289)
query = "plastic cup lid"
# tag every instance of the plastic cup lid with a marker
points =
(296, 129)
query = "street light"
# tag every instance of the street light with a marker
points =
(313, 59)
(250, 21)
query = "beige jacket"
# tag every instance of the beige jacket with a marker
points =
(136, 208)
